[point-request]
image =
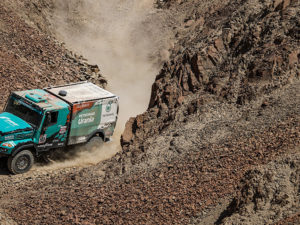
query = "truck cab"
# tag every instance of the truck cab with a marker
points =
(36, 121)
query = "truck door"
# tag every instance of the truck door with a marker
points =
(54, 130)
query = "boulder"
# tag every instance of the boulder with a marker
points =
(127, 134)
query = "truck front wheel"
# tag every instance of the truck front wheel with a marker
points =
(21, 162)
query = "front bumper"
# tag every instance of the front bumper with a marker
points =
(4, 152)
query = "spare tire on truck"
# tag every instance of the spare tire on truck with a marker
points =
(21, 162)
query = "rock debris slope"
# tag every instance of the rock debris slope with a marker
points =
(267, 194)
(32, 59)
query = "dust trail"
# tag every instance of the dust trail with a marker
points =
(122, 37)
(81, 157)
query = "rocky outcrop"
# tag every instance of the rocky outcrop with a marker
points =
(266, 194)
(237, 54)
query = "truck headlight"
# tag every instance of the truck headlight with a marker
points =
(9, 145)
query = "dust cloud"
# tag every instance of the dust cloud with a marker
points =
(122, 37)
(80, 156)
(127, 40)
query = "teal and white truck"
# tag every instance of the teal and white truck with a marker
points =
(35, 122)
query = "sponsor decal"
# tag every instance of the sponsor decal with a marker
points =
(63, 129)
(9, 137)
(108, 107)
(81, 106)
(8, 120)
(86, 118)
(107, 115)
(43, 139)
(46, 145)
(81, 139)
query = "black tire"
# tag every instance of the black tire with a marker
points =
(94, 142)
(47, 157)
(21, 162)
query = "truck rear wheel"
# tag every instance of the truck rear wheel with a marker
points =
(21, 162)
(94, 142)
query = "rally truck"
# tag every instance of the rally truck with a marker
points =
(35, 122)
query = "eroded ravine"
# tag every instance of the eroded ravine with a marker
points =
(127, 40)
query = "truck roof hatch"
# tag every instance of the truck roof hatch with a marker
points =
(35, 97)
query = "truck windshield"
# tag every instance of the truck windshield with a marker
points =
(24, 111)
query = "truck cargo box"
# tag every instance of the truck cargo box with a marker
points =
(93, 110)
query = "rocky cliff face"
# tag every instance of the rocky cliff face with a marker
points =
(236, 54)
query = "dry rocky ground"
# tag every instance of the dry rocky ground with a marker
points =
(270, 193)
(219, 143)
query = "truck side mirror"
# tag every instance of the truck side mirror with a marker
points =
(47, 119)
